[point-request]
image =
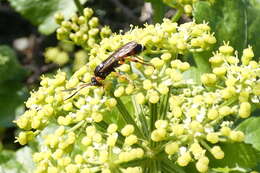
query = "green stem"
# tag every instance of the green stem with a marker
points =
(127, 117)
(205, 145)
(79, 6)
(170, 167)
(165, 105)
(177, 15)
(78, 125)
(102, 126)
(153, 116)
(139, 111)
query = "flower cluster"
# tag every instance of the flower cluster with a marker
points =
(62, 54)
(229, 91)
(81, 30)
(55, 55)
(166, 117)
(184, 5)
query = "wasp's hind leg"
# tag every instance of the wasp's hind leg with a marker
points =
(138, 60)
(141, 59)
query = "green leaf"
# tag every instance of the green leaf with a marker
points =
(159, 9)
(41, 12)
(252, 131)
(12, 92)
(10, 69)
(12, 97)
(16, 162)
(236, 21)
(114, 116)
(253, 26)
(202, 61)
(227, 18)
(236, 155)
(8, 164)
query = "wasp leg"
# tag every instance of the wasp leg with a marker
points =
(141, 59)
(124, 78)
(134, 59)
(121, 76)
(121, 62)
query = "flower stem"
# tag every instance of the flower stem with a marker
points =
(205, 145)
(78, 125)
(154, 117)
(141, 115)
(153, 108)
(164, 105)
(79, 6)
(177, 15)
(127, 117)
(168, 166)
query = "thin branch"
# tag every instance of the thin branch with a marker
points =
(177, 15)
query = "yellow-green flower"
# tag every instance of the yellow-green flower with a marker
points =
(157, 111)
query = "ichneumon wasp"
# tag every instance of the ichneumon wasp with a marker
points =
(113, 61)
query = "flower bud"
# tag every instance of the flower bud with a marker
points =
(157, 62)
(237, 136)
(112, 139)
(212, 137)
(119, 91)
(130, 140)
(244, 110)
(248, 54)
(171, 148)
(112, 128)
(184, 159)
(127, 130)
(209, 79)
(226, 49)
(88, 12)
(166, 56)
(147, 84)
(212, 114)
(217, 152)
(140, 99)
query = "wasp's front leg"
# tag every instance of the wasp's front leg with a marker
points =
(121, 76)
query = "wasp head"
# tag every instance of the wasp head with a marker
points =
(95, 82)
(139, 48)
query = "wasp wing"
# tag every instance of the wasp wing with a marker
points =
(114, 58)
(125, 49)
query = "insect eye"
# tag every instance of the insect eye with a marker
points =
(139, 48)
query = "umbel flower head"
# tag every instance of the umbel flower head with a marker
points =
(149, 116)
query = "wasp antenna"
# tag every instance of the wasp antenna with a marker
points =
(80, 88)
(70, 89)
